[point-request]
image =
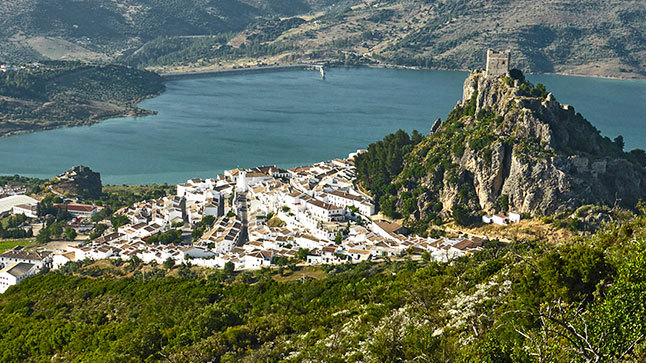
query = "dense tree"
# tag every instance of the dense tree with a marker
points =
(247, 277)
(208, 220)
(98, 230)
(186, 272)
(16, 220)
(15, 232)
(118, 221)
(302, 253)
(338, 239)
(43, 236)
(517, 74)
(581, 300)
(169, 263)
(638, 156)
(619, 140)
(56, 229)
(201, 226)
(115, 197)
(502, 203)
(166, 238)
(461, 215)
(383, 161)
(70, 234)
(229, 267)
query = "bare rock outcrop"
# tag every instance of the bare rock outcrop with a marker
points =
(80, 181)
(546, 158)
(512, 140)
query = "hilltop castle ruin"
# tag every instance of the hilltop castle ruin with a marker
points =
(497, 63)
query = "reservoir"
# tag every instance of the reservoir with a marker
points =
(209, 124)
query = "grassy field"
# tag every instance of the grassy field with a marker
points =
(526, 230)
(9, 244)
(61, 49)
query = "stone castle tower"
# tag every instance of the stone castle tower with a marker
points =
(497, 63)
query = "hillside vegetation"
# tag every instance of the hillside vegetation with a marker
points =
(578, 37)
(580, 301)
(59, 94)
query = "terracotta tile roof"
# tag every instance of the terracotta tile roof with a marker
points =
(18, 269)
(361, 252)
(20, 253)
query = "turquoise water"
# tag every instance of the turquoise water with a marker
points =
(207, 125)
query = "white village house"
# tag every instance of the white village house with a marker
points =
(19, 254)
(14, 273)
(29, 210)
(325, 211)
(7, 203)
(79, 210)
(501, 220)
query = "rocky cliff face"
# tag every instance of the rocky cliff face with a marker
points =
(80, 181)
(510, 145)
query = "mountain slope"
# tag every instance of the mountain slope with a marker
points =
(507, 146)
(588, 37)
(110, 27)
(578, 37)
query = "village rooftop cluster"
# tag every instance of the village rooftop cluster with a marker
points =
(259, 216)
(14, 67)
(9, 190)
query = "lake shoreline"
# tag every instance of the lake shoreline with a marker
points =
(140, 112)
(134, 112)
(173, 76)
(330, 65)
(239, 71)
(210, 124)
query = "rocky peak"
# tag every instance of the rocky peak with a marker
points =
(503, 96)
(511, 146)
(507, 146)
(79, 181)
(544, 156)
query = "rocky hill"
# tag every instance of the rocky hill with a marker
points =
(544, 156)
(80, 181)
(508, 145)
